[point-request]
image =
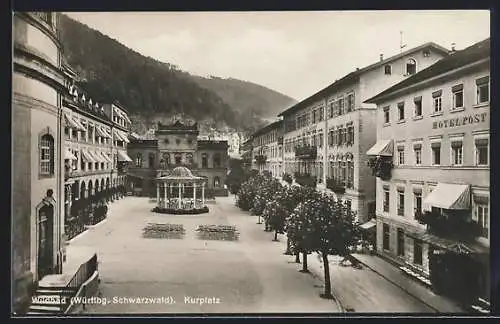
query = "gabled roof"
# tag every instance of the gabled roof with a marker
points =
(268, 128)
(354, 76)
(471, 54)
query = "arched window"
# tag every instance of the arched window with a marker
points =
(96, 186)
(138, 160)
(204, 160)
(217, 160)
(411, 66)
(90, 192)
(151, 160)
(47, 155)
(216, 182)
(83, 190)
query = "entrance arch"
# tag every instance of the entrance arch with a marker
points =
(45, 231)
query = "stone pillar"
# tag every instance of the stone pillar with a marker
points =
(203, 195)
(164, 195)
(194, 194)
(180, 197)
(158, 193)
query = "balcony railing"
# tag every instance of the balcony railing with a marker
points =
(305, 179)
(453, 227)
(306, 152)
(335, 185)
(260, 159)
(381, 167)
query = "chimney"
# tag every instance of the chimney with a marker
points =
(452, 51)
(381, 57)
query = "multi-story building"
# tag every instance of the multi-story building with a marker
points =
(177, 144)
(37, 153)
(246, 154)
(267, 149)
(327, 134)
(432, 163)
(91, 143)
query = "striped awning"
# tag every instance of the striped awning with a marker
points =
(73, 122)
(106, 157)
(97, 157)
(121, 136)
(381, 148)
(99, 131)
(87, 157)
(449, 196)
(123, 157)
(107, 132)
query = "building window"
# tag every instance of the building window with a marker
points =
(483, 90)
(411, 67)
(320, 140)
(151, 160)
(458, 96)
(481, 215)
(138, 160)
(321, 116)
(386, 237)
(314, 117)
(386, 200)
(401, 202)
(330, 138)
(350, 135)
(341, 106)
(178, 158)
(331, 109)
(217, 160)
(417, 106)
(401, 111)
(350, 102)
(204, 160)
(482, 151)
(387, 69)
(47, 155)
(437, 101)
(436, 153)
(216, 182)
(401, 242)
(417, 150)
(386, 115)
(426, 53)
(456, 153)
(417, 252)
(401, 155)
(350, 175)
(417, 202)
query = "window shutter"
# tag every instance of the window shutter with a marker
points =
(437, 93)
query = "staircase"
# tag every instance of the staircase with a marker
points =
(50, 301)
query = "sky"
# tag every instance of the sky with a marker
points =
(297, 52)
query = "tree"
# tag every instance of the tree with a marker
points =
(275, 216)
(331, 231)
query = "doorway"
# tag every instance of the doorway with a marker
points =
(45, 241)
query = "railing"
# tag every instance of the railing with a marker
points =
(84, 272)
(381, 167)
(335, 185)
(306, 152)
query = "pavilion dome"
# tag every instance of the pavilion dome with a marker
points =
(181, 172)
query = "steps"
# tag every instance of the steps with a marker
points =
(50, 301)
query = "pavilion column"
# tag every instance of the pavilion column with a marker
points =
(164, 195)
(203, 195)
(158, 193)
(194, 194)
(180, 197)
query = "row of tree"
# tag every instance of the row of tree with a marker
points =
(313, 221)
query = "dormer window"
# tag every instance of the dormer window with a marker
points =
(426, 53)
(387, 69)
(411, 67)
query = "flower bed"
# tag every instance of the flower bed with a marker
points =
(217, 232)
(168, 231)
(172, 211)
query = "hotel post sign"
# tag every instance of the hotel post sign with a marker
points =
(460, 121)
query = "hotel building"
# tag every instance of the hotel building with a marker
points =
(267, 149)
(432, 165)
(37, 153)
(327, 134)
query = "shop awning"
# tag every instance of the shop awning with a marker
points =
(123, 157)
(99, 131)
(80, 125)
(97, 157)
(70, 122)
(87, 157)
(381, 148)
(449, 196)
(448, 244)
(372, 223)
(121, 136)
(108, 134)
(106, 158)
(68, 155)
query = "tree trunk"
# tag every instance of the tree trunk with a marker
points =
(304, 263)
(328, 286)
(275, 236)
(288, 252)
(297, 257)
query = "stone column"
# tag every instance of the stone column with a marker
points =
(158, 193)
(194, 194)
(203, 195)
(180, 197)
(164, 195)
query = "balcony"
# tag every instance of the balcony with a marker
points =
(335, 185)
(306, 152)
(260, 159)
(305, 179)
(455, 226)
(381, 167)
(280, 140)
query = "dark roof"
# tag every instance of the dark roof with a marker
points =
(177, 126)
(354, 76)
(212, 144)
(267, 128)
(461, 58)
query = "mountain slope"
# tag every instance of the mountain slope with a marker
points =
(153, 90)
